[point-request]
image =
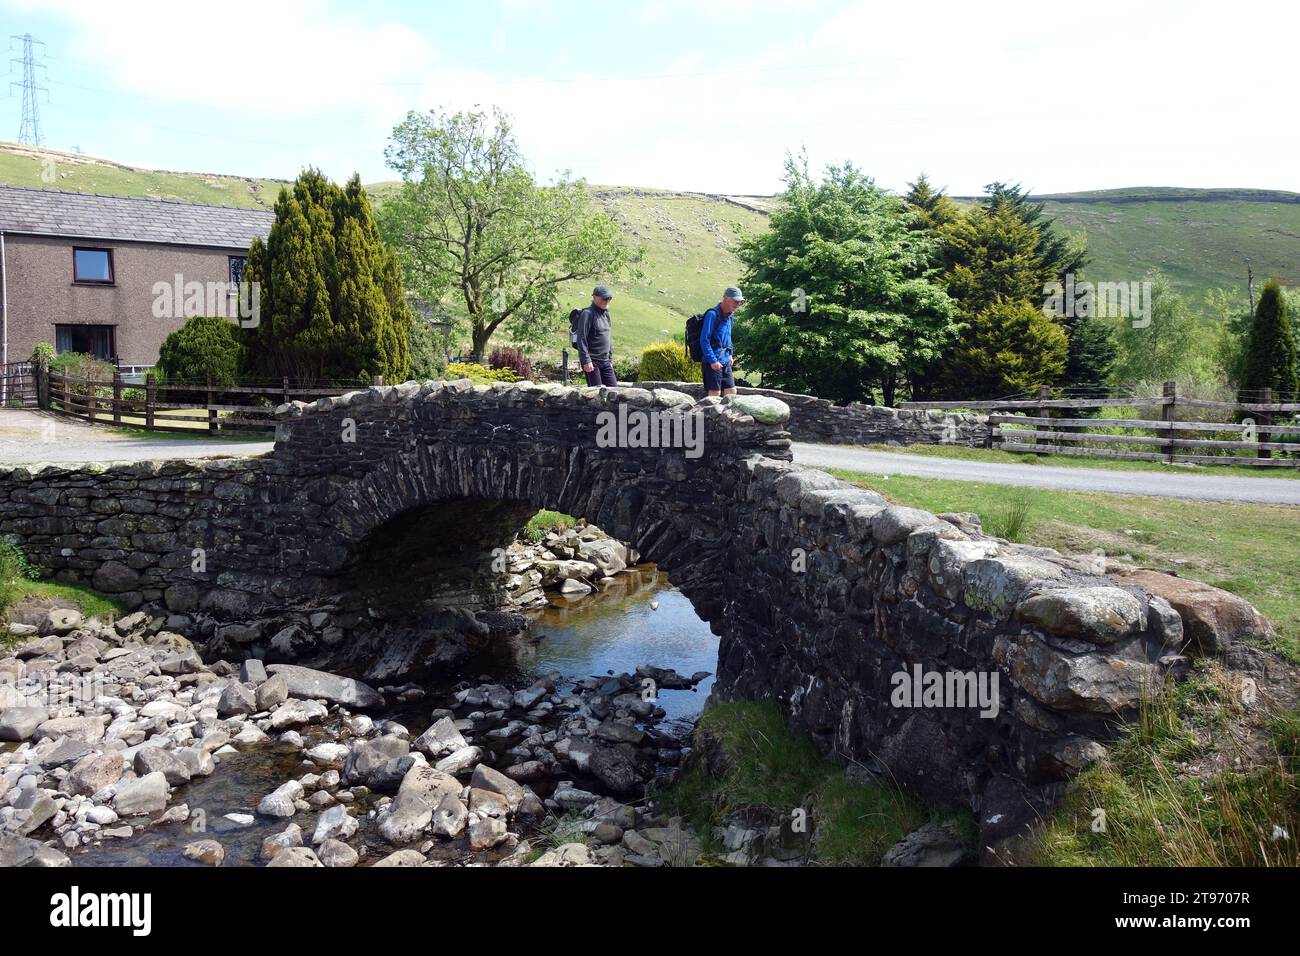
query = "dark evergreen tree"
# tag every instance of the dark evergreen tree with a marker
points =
(1271, 352)
(332, 301)
(1058, 253)
(1092, 354)
(933, 208)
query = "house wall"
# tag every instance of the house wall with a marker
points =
(42, 294)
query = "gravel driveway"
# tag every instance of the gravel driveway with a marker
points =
(31, 436)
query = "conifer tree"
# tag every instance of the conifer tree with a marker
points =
(1271, 351)
(332, 301)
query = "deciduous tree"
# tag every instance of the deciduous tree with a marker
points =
(470, 223)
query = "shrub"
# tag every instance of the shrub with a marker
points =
(428, 350)
(43, 354)
(477, 373)
(87, 368)
(627, 370)
(504, 356)
(668, 362)
(204, 348)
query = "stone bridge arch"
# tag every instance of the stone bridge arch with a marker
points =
(426, 481)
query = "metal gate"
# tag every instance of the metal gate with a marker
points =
(17, 386)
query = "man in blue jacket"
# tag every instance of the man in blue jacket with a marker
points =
(715, 344)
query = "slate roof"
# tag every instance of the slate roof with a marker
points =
(50, 212)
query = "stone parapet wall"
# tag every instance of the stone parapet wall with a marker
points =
(821, 421)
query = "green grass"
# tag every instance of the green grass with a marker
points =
(18, 581)
(1248, 549)
(24, 166)
(1142, 807)
(545, 521)
(90, 603)
(774, 772)
(1070, 461)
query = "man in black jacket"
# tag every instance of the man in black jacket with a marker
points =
(593, 341)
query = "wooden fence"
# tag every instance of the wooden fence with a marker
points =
(1182, 433)
(161, 406)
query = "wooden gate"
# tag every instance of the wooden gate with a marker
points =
(17, 386)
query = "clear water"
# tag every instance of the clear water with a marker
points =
(638, 619)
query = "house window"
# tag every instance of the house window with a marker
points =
(94, 266)
(96, 340)
(237, 266)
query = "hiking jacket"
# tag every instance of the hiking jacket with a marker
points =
(594, 340)
(715, 336)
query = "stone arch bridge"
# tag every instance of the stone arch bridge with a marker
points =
(365, 541)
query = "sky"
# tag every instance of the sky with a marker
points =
(705, 95)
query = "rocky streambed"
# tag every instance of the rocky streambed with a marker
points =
(120, 745)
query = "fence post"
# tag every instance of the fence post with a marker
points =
(377, 380)
(1265, 419)
(564, 366)
(148, 401)
(41, 372)
(1168, 413)
(284, 390)
(117, 396)
(212, 412)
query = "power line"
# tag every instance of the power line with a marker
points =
(30, 130)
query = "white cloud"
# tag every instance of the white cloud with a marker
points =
(1115, 93)
(287, 56)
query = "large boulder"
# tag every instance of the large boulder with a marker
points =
(405, 819)
(439, 740)
(19, 723)
(94, 772)
(147, 794)
(1212, 617)
(319, 685)
(1101, 615)
(1089, 682)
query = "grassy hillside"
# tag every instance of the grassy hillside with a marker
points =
(689, 242)
(1202, 238)
(24, 166)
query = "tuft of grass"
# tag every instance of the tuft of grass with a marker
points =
(1137, 809)
(771, 772)
(555, 831)
(1012, 518)
(540, 524)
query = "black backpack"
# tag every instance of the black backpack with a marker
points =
(573, 327)
(693, 326)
